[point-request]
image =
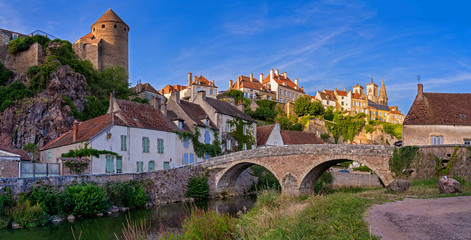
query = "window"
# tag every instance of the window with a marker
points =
(244, 146)
(160, 145)
(145, 144)
(115, 26)
(206, 155)
(119, 165)
(123, 143)
(103, 26)
(109, 164)
(228, 126)
(228, 144)
(185, 158)
(437, 140)
(151, 166)
(166, 165)
(206, 137)
(94, 29)
(180, 124)
(211, 91)
(284, 92)
(192, 158)
(125, 29)
(185, 143)
(207, 121)
(327, 102)
(467, 142)
(139, 166)
(251, 96)
(244, 129)
(49, 155)
(84, 46)
(245, 95)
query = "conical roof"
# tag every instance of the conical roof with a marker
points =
(383, 96)
(110, 16)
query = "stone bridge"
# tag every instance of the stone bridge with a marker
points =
(297, 167)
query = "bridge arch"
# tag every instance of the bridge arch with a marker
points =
(297, 167)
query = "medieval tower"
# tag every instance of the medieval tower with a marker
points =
(107, 43)
(372, 91)
(383, 96)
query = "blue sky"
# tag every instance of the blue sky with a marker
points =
(326, 44)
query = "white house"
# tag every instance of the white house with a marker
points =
(273, 136)
(139, 133)
(285, 89)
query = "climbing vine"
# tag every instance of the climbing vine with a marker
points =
(445, 171)
(86, 152)
(213, 149)
(238, 134)
(402, 158)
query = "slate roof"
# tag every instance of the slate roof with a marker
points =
(295, 137)
(378, 106)
(129, 114)
(280, 79)
(227, 109)
(24, 156)
(440, 109)
(263, 133)
(145, 87)
(196, 113)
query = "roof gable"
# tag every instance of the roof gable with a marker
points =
(263, 133)
(227, 109)
(295, 137)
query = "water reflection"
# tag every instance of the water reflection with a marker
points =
(159, 217)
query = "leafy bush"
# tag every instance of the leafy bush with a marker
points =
(346, 126)
(198, 187)
(27, 215)
(346, 164)
(303, 106)
(85, 199)
(395, 130)
(50, 200)
(5, 74)
(4, 221)
(5, 201)
(362, 169)
(266, 179)
(322, 183)
(73, 108)
(264, 112)
(21, 44)
(325, 137)
(95, 107)
(12, 92)
(402, 158)
(128, 194)
(39, 76)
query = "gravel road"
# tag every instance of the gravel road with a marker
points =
(438, 218)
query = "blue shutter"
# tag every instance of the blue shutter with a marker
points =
(191, 158)
(151, 166)
(119, 165)
(185, 142)
(123, 143)
(185, 160)
(109, 164)
(160, 145)
(166, 165)
(206, 137)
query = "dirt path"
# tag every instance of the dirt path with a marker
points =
(439, 218)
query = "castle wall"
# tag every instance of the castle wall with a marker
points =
(88, 51)
(23, 60)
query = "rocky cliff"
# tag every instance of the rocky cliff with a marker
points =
(46, 116)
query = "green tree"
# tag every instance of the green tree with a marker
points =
(32, 149)
(303, 106)
(5, 74)
(112, 79)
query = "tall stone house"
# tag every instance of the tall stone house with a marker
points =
(146, 91)
(107, 43)
(195, 85)
(285, 89)
(438, 118)
(252, 88)
(223, 114)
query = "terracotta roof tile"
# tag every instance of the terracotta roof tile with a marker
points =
(358, 96)
(328, 95)
(440, 109)
(110, 16)
(294, 137)
(172, 88)
(263, 133)
(244, 82)
(24, 156)
(341, 93)
(280, 80)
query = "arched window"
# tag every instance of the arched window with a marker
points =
(94, 29)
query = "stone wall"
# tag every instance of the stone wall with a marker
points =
(163, 186)
(341, 179)
(9, 168)
(20, 62)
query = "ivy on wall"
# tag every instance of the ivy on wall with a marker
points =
(86, 152)
(213, 149)
(345, 126)
(402, 158)
(237, 133)
(445, 171)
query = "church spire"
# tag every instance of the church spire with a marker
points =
(383, 96)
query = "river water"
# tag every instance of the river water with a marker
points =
(158, 217)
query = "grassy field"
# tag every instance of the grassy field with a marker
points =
(337, 214)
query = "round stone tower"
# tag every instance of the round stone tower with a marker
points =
(113, 33)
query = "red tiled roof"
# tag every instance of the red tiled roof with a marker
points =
(128, 114)
(263, 133)
(294, 137)
(24, 156)
(358, 96)
(341, 93)
(244, 82)
(393, 110)
(440, 109)
(110, 16)
(88, 39)
(280, 80)
(172, 88)
(328, 95)
(202, 81)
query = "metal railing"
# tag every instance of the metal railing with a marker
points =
(29, 169)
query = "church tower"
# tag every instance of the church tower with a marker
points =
(107, 43)
(372, 91)
(113, 33)
(383, 96)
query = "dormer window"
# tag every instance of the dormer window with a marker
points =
(284, 84)
(180, 124)
(207, 122)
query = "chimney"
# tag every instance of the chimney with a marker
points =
(203, 94)
(163, 109)
(420, 91)
(75, 129)
(296, 81)
(285, 74)
(251, 77)
(154, 102)
(277, 72)
(261, 77)
(177, 95)
(271, 74)
(189, 78)
(139, 87)
(335, 89)
(212, 83)
(230, 84)
(344, 89)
